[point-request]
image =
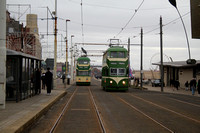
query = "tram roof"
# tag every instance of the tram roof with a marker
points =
(16, 53)
(116, 48)
(83, 58)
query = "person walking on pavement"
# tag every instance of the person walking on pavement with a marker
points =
(48, 80)
(186, 85)
(63, 78)
(193, 85)
(198, 86)
(37, 81)
(43, 81)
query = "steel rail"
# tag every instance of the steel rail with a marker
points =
(138, 110)
(97, 112)
(61, 114)
(172, 111)
(196, 105)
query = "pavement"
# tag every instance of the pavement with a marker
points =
(173, 90)
(18, 116)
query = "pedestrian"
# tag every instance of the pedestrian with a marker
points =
(48, 80)
(193, 85)
(176, 84)
(198, 86)
(186, 85)
(37, 81)
(43, 81)
(63, 78)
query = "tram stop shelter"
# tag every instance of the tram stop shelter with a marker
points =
(180, 71)
(21, 75)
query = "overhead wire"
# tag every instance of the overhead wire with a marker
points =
(130, 19)
(163, 25)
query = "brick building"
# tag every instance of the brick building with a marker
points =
(23, 39)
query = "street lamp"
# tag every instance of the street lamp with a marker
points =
(189, 61)
(66, 71)
(71, 57)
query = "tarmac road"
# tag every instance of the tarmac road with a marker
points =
(134, 111)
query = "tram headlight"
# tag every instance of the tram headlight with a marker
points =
(111, 81)
(123, 82)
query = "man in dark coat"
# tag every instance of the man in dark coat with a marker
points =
(37, 81)
(193, 85)
(198, 86)
(63, 78)
(48, 80)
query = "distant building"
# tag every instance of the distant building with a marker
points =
(180, 71)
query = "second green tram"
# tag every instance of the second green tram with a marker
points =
(115, 69)
(83, 71)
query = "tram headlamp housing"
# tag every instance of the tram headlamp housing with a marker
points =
(123, 82)
(111, 81)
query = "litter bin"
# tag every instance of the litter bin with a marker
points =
(68, 81)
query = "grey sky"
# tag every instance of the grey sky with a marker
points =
(103, 19)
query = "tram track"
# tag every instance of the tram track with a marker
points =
(62, 112)
(141, 112)
(92, 109)
(97, 112)
(164, 108)
(150, 109)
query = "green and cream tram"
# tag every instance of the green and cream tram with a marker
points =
(115, 69)
(83, 71)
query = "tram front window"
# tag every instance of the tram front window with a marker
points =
(113, 71)
(113, 54)
(83, 62)
(117, 54)
(83, 73)
(121, 71)
(121, 55)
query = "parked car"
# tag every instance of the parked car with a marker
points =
(157, 82)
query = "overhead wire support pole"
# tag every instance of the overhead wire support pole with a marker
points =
(82, 21)
(161, 54)
(128, 60)
(55, 47)
(141, 66)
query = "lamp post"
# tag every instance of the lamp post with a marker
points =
(71, 57)
(189, 61)
(66, 71)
